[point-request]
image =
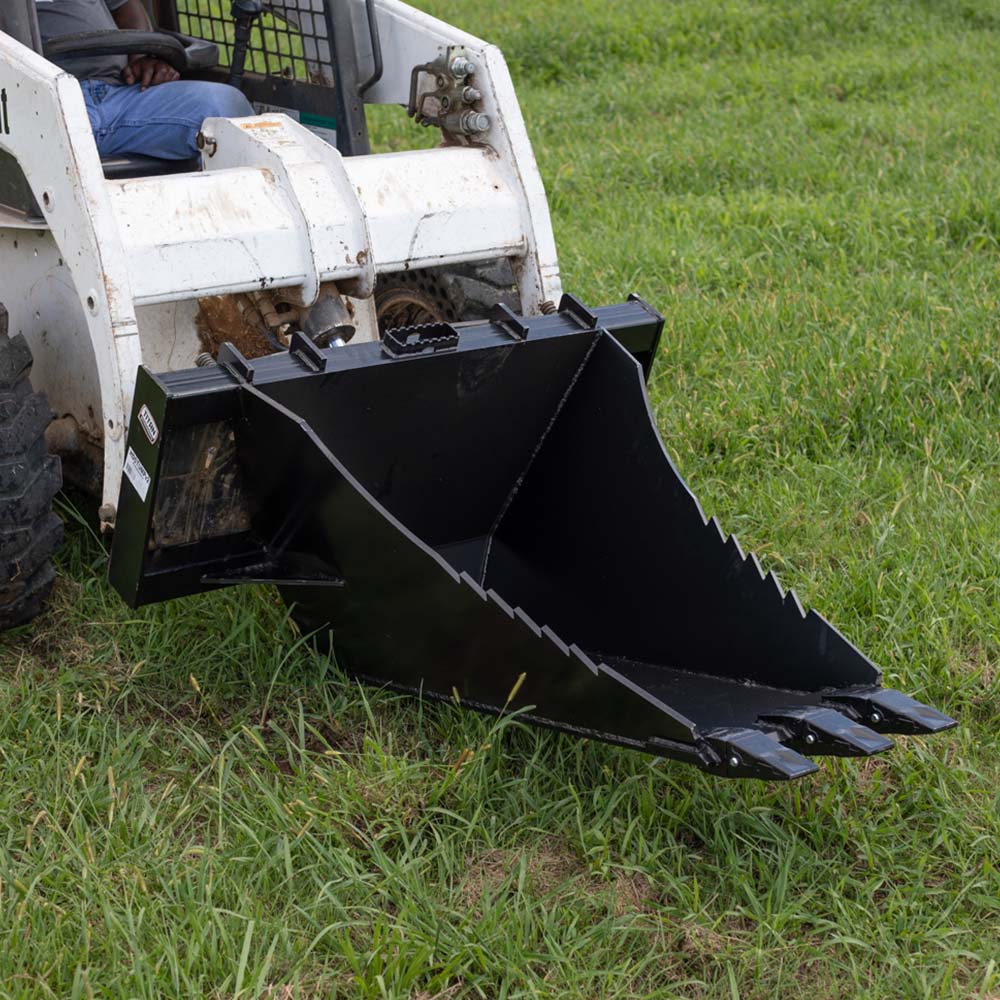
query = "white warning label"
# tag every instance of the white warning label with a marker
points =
(136, 474)
(148, 424)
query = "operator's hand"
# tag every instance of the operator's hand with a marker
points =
(148, 71)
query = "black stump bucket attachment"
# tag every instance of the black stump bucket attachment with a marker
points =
(485, 511)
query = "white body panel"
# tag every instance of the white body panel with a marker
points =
(406, 35)
(236, 228)
(110, 279)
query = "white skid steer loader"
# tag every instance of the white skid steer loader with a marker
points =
(355, 376)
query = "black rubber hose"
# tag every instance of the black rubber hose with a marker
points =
(245, 13)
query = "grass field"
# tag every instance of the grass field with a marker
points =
(193, 804)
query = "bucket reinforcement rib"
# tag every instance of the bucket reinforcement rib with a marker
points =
(485, 510)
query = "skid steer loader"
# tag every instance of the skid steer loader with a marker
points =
(356, 377)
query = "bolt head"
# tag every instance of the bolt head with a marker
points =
(461, 67)
(876, 717)
(810, 739)
(206, 143)
(477, 121)
(734, 761)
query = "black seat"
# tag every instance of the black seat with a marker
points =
(118, 168)
(19, 20)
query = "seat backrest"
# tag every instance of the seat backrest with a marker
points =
(19, 20)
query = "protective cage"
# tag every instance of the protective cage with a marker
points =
(486, 509)
(302, 58)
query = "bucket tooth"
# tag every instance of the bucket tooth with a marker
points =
(734, 556)
(580, 655)
(749, 753)
(526, 619)
(496, 599)
(890, 711)
(473, 585)
(555, 640)
(791, 595)
(739, 548)
(825, 731)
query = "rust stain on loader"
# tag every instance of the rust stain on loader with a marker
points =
(232, 318)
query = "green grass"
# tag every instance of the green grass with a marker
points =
(193, 804)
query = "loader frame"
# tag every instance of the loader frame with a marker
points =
(109, 275)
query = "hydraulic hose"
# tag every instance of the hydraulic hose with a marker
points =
(245, 13)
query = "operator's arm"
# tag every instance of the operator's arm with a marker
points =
(132, 16)
(145, 70)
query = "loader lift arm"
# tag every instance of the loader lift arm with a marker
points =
(486, 508)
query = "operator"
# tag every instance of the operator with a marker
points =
(137, 104)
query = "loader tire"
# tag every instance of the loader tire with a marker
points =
(449, 294)
(30, 533)
(412, 298)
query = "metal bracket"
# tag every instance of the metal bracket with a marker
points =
(305, 350)
(432, 338)
(453, 104)
(570, 305)
(234, 363)
(508, 321)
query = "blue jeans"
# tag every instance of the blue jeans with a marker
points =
(161, 121)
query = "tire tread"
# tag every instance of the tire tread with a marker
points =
(30, 533)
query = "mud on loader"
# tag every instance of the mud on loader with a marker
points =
(356, 377)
